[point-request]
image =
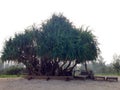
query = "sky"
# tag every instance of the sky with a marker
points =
(103, 17)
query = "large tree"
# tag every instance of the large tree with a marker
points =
(57, 43)
(53, 49)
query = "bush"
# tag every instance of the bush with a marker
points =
(13, 70)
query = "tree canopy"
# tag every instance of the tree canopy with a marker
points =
(53, 49)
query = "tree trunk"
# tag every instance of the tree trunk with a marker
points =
(63, 64)
(73, 66)
(68, 65)
(86, 67)
(60, 69)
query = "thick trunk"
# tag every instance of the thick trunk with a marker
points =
(65, 71)
(63, 64)
(73, 66)
(69, 70)
(53, 68)
(60, 69)
(68, 65)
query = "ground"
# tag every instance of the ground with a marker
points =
(24, 84)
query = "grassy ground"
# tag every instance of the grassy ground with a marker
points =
(16, 76)
(108, 74)
(10, 76)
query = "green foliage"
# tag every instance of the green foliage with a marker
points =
(56, 41)
(116, 64)
(87, 46)
(58, 37)
(13, 70)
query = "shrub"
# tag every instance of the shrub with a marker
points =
(13, 70)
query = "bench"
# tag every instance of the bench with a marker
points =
(112, 79)
(99, 78)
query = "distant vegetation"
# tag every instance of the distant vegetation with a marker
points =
(53, 49)
(101, 68)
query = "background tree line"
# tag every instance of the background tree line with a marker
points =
(100, 67)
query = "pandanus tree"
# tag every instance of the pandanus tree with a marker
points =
(53, 48)
(87, 47)
(56, 43)
(22, 49)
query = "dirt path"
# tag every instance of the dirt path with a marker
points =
(23, 84)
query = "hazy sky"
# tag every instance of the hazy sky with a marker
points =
(103, 17)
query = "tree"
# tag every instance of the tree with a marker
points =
(22, 49)
(116, 63)
(57, 43)
(53, 49)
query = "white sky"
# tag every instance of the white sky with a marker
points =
(103, 16)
